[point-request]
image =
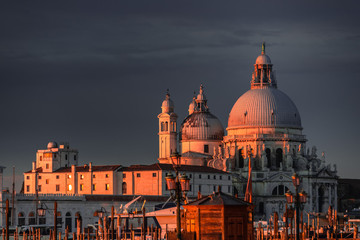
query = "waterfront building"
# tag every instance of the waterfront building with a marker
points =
(150, 179)
(264, 127)
(56, 171)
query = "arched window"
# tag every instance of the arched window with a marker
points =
(279, 190)
(124, 188)
(166, 126)
(268, 157)
(241, 159)
(162, 126)
(279, 157)
(32, 220)
(68, 221)
(21, 219)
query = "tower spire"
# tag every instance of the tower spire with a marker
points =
(263, 48)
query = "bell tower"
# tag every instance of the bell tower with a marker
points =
(167, 130)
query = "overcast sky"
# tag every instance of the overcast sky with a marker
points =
(94, 73)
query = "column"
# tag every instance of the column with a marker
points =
(335, 197)
(329, 189)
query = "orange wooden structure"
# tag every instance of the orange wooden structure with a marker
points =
(219, 216)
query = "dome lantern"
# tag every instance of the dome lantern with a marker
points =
(167, 105)
(263, 76)
(201, 101)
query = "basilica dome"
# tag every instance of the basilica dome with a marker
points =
(266, 107)
(201, 126)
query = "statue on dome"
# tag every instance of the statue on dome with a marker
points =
(214, 153)
(227, 152)
(300, 152)
(289, 161)
(313, 152)
(263, 160)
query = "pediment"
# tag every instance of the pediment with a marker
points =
(279, 177)
(325, 173)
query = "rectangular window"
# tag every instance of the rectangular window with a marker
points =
(39, 177)
(154, 174)
(81, 187)
(65, 156)
(39, 188)
(206, 148)
(47, 166)
(228, 177)
(94, 187)
(214, 188)
(199, 188)
(199, 176)
(190, 175)
(229, 189)
(74, 157)
(214, 176)
(57, 176)
(27, 188)
(106, 175)
(94, 176)
(138, 175)
(208, 176)
(190, 187)
(40, 158)
(220, 177)
(47, 181)
(124, 175)
(57, 188)
(81, 176)
(107, 186)
(27, 177)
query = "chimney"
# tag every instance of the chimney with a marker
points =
(90, 166)
(33, 166)
(199, 195)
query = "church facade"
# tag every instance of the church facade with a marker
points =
(264, 127)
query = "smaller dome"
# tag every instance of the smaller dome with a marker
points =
(263, 59)
(167, 105)
(52, 145)
(201, 126)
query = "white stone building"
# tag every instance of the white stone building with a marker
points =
(265, 123)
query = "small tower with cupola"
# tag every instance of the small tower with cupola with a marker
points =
(167, 130)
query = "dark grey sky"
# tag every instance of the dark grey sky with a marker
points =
(94, 73)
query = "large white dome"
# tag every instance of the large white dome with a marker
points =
(266, 107)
